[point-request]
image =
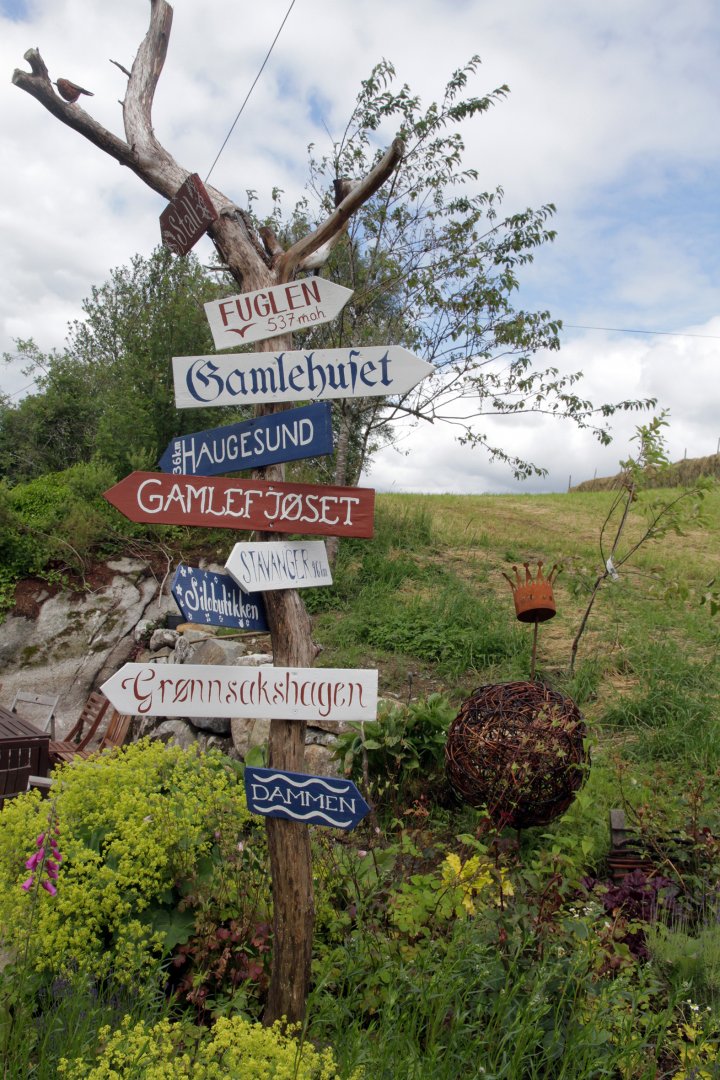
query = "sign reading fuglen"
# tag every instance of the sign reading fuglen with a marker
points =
(278, 309)
(244, 504)
(188, 215)
(264, 692)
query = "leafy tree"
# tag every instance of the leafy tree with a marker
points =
(435, 267)
(652, 518)
(110, 392)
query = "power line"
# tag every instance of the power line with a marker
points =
(655, 333)
(247, 96)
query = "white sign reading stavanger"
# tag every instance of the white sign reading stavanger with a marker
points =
(257, 567)
(273, 693)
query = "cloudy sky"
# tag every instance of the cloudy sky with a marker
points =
(613, 116)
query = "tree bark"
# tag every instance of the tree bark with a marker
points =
(253, 266)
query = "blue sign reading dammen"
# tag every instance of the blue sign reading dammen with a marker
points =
(313, 800)
(216, 600)
(267, 440)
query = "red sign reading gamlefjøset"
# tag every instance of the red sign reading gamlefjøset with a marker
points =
(244, 504)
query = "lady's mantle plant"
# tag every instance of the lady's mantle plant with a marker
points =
(136, 826)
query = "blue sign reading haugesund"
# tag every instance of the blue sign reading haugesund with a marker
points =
(313, 800)
(216, 600)
(267, 440)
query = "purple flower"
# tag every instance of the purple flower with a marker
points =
(34, 860)
(44, 863)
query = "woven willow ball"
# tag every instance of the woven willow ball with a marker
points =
(517, 749)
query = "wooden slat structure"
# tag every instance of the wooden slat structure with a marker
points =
(626, 853)
(86, 737)
(47, 702)
(23, 753)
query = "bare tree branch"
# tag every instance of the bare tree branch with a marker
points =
(332, 226)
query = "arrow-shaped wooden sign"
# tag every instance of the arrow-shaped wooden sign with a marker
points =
(216, 600)
(278, 309)
(272, 693)
(314, 800)
(284, 564)
(254, 378)
(244, 504)
(187, 217)
(266, 440)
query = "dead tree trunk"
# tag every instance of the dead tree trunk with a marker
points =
(255, 262)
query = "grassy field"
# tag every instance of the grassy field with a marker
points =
(427, 596)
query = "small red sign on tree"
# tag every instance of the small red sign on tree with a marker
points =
(187, 216)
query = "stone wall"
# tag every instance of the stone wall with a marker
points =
(235, 737)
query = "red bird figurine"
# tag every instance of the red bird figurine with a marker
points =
(70, 90)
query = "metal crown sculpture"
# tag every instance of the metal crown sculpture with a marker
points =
(534, 599)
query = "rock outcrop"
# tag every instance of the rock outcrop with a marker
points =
(67, 644)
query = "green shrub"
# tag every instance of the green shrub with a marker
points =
(232, 1048)
(57, 518)
(403, 748)
(138, 829)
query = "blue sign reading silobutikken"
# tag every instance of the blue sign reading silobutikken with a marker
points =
(313, 800)
(267, 440)
(216, 600)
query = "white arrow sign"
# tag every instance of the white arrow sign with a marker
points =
(264, 692)
(286, 564)
(279, 309)
(253, 378)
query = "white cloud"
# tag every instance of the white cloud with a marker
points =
(613, 116)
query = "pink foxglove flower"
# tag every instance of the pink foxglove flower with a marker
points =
(44, 863)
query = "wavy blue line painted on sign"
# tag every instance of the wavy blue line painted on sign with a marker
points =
(267, 440)
(313, 800)
(216, 600)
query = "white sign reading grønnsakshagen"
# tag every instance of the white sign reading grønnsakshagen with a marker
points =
(272, 693)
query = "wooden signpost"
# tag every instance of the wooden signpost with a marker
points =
(216, 600)
(187, 216)
(281, 565)
(256, 378)
(278, 309)
(258, 263)
(314, 800)
(252, 444)
(262, 692)
(244, 504)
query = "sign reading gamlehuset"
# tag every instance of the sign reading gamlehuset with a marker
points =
(216, 600)
(251, 444)
(254, 378)
(264, 692)
(244, 504)
(278, 309)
